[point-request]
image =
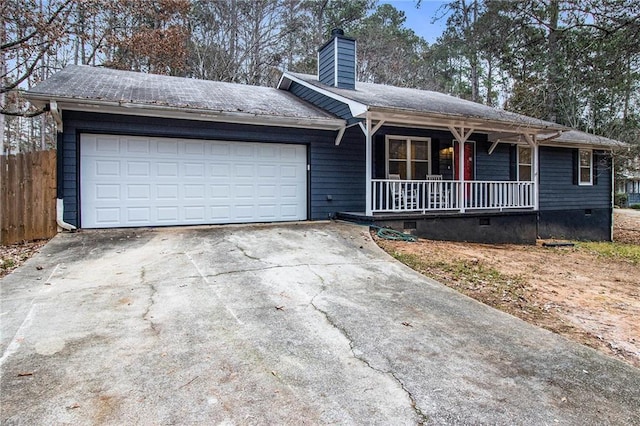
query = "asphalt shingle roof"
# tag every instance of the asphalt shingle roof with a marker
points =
(576, 136)
(426, 102)
(78, 82)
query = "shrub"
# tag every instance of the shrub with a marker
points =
(621, 200)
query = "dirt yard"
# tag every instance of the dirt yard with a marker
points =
(589, 293)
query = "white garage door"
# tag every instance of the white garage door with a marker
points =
(144, 181)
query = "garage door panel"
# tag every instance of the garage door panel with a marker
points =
(220, 192)
(107, 192)
(107, 216)
(138, 181)
(244, 192)
(219, 170)
(138, 169)
(194, 192)
(267, 191)
(106, 168)
(140, 215)
(167, 192)
(221, 213)
(267, 211)
(289, 211)
(245, 150)
(165, 146)
(137, 146)
(244, 171)
(103, 145)
(194, 148)
(193, 170)
(266, 151)
(167, 169)
(137, 192)
(267, 171)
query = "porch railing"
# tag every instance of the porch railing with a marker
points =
(392, 195)
(499, 195)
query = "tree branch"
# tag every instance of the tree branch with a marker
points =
(25, 114)
(27, 73)
(29, 36)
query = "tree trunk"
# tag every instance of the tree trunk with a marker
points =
(489, 81)
(3, 71)
(553, 69)
(475, 75)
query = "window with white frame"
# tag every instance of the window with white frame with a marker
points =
(408, 157)
(585, 167)
(524, 163)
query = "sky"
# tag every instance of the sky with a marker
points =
(419, 19)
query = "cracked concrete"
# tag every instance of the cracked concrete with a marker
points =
(421, 416)
(282, 324)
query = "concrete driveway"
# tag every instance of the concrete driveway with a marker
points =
(294, 324)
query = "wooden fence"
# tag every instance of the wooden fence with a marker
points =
(27, 196)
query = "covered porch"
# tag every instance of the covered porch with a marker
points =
(438, 182)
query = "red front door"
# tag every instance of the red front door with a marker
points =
(469, 161)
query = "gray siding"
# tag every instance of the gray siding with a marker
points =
(346, 67)
(321, 101)
(336, 171)
(491, 167)
(339, 171)
(558, 190)
(326, 65)
(346, 63)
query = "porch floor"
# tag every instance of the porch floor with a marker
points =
(362, 217)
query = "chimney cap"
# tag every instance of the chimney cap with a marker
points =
(337, 31)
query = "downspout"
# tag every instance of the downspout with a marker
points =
(57, 117)
(60, 217)
(340, 135)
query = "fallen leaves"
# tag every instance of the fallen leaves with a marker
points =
(573, 291)
(14, 255)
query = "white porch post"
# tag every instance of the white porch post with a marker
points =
(533, 143)
(462, 188)
(368, 159)
(461, 136)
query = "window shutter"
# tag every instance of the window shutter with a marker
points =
(379, 157)
(435, 156)
(574, 163)
(595, 159)
(513, 162)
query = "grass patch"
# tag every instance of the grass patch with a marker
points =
(6, 264)
(473, 278)
(614, 251)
